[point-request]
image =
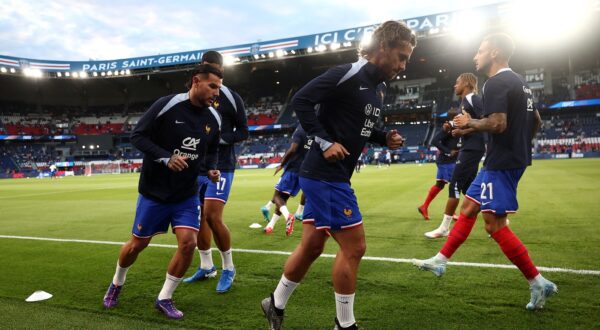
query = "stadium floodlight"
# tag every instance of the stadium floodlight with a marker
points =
(122, 72)
(12, 70)
(334, 46)
(33, 73)
(256, 56)
(92, 147)
(75, 74)
(116, 73)
(3, 70)
(556, 21)
(309, 50)
(271, 54)
(228, 60)
(293, 52)
(321, 48)
(109, 73)
(95, 74)
(277, 82)
(67, 74)
(347, 44)
(263, 56)
(103, 73)
(83, 74)
(278, 53)
(128, 72)
(466, 25)
(59, 74)
(82, 147)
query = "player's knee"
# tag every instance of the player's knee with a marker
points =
(187, 246)
(357, 251)
(313, 251)
(135, 246)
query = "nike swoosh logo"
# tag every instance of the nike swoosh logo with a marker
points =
(343, 302)
(486, 203)
(179, 122)
(362, 88)
(218, 194)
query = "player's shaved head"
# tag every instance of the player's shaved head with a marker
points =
(503, 43)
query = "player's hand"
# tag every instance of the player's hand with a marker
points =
(462, 120)
(453, 153)
(277, 169)
(335, 152)
(447, 127)
(214, 175)
(394, 140)
(177, 163)
(457, 132)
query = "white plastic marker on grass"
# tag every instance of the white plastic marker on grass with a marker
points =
(38, 296)
(255, 226)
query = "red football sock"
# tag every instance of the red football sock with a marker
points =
(433, 191)
(515, 251)
(458, 235)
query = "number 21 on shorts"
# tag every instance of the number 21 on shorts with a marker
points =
(487, 188)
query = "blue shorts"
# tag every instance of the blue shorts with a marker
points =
(444, 172)
(220, 191)
(152, 217)
(496, 190)
(202, 185)
(288, 183)
(330, 205)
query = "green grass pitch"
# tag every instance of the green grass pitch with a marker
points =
(558, 221)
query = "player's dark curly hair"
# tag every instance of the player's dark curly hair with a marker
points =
(390, 34)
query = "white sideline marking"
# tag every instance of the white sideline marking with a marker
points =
(397, 260)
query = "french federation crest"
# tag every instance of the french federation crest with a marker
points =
(207, 129)
(347, 212)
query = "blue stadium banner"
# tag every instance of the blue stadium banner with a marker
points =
(439, 22)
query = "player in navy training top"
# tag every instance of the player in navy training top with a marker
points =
(177, 134)
(472, 148)
(349, 107)
(288, 184)
(447, 146)
(213, 196)
(512, 122)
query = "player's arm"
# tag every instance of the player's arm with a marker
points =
(304, 104)
(212, 156)
(241, 124)
(140, 137)
(439, 142)
(537, 123)
(495, 107)
(286, 157)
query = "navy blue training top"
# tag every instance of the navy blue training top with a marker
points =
(476, 140)
(507, 92)
(234, 128)
(349, 107)
(299, 137)
(174, 126)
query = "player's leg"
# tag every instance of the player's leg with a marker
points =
(180, 262)
(184, 221)
(275, 217)
(151, 218)
(345, 270)
(299, 212)
(459, 233)
(214, 216)
(310, 248)
(206, 269)
(454, 189)
(501, 192)
(442, 177)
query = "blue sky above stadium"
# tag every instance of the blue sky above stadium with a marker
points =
(79, 30)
